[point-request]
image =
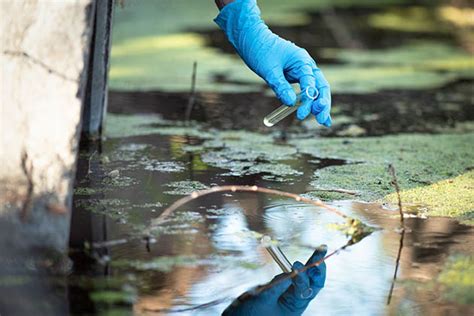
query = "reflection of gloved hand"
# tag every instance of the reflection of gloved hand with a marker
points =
(287, 296)
(278, 61)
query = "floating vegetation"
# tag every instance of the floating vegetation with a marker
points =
(162, 166)
(419, 65)
(116, 209)
(354, 229)
(133, 147)
(148, 205)
(119, 181)
(245, 153)
(85, 191)
(184, 218)
(417, 158)
(185, 187)
(122, 125)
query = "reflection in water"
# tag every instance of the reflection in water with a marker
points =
(284, 296)
(208, 253)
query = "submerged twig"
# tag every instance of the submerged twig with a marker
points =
(192, 95)
(392, 172)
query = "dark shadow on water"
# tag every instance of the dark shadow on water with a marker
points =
(382, 113)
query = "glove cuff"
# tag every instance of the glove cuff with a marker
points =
(238, 17)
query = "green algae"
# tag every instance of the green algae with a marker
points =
(418, 65)
(185, 187)
(457, 278)
(418, 159)
(119, 181)
(408, 19)
(122, 125)
(116, 209)
(245, 153)
(162, 166)
(125, 125)
(85, 191)
(451, 197)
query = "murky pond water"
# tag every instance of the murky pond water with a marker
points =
(388, 78)
(209, 250)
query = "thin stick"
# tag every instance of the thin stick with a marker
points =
(192, 95)
(392, 172)
(243, 188)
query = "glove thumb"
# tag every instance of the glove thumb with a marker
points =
(282, 88)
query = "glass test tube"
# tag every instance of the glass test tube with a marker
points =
(276, 254)
(283, 111)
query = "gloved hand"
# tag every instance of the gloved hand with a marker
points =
(279, 62)
(287, 297)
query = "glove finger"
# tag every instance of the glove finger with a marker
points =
(304, 109)
(298, 296)
(308, 91)
(317, 274)
(321, 81)
(300, 281)
(282, 88)
(317, 255)
(321, 108)
(276, 287)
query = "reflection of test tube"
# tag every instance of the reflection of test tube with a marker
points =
(284, 110)
(276, 254)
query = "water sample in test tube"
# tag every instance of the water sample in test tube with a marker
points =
(276, 254)
(285, 110)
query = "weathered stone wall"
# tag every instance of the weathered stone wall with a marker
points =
(44, 46)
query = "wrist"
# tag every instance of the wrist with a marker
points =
(222, 3)
(238, 18)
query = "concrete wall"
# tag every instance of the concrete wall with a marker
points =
(44, 52)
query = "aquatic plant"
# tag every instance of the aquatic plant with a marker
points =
(354, 229)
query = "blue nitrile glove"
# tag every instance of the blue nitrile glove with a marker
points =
(289, 297)
(279, 62)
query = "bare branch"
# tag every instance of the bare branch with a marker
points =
(243, 188)
(391, 170)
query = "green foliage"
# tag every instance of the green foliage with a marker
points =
(458, 279)
(354, 229)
